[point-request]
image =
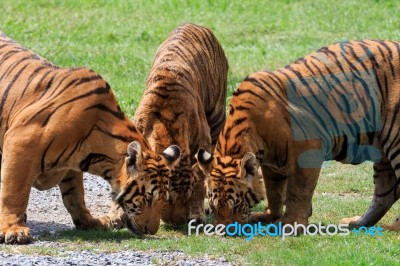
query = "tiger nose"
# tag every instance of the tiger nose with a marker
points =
(152, 227)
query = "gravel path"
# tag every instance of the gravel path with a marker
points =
(46, 213)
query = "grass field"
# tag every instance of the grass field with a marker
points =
(118, 39)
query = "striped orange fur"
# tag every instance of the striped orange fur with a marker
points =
(340, 103)
(184, 105)
(55, 124)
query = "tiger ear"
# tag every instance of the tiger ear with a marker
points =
(171, 156)
(135, 157)
(204, 159)
(249, 166)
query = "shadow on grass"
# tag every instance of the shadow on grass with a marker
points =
(113, 235)
(182, 229)
(92, 235)
(40, 227)
(61, 232)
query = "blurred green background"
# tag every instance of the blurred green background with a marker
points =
(119, 39)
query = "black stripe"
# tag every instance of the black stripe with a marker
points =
(68, 179)
(235, 123)
(7, 55)
(97, 91)
(42, 163)
(118, 114)
(163, 96)
(252, 200)
(7, 90)
(71, 83)
(397, 167)
(242, 108)
(88, 79)
(394, 155)
(264, 85)
(372, 58)
(4, 45)
(350, 63)
(59, 157)
(392, 123)
(93, 158)
(241, 91)
(77, 144)
(8, 117)
(122, 138)
(35, 73)
(334, 55)
(342, 155)
(15, 65)
(356, 58)
(127, 191)
(234, 149)
(390, 52)
(68, 192)
(48, 86)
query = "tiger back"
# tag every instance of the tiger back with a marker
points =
(338, 103)
(184, 104)
(55, 124)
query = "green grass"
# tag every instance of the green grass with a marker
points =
(118, 39)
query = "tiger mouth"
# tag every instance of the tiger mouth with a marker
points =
(133, 228)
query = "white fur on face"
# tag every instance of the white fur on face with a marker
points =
(170, 151)
(206, 156)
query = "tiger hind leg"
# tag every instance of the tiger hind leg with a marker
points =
(72, 191)
(385, 194)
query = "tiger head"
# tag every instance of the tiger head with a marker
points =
(146, 189)
(233, 185)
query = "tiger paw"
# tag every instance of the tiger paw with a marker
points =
(15, 235)
(117, 217)
(103, 222)
(256, 217)
(394, 226)
(118, 222)
(199, 218)
(352, 221)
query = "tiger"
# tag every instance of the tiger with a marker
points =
(341, 102)
(67, 121)
(184, 104)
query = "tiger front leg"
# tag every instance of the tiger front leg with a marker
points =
(72, 191)
(16, 182)
(196, 201)
(275, 187)
(300, 189)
